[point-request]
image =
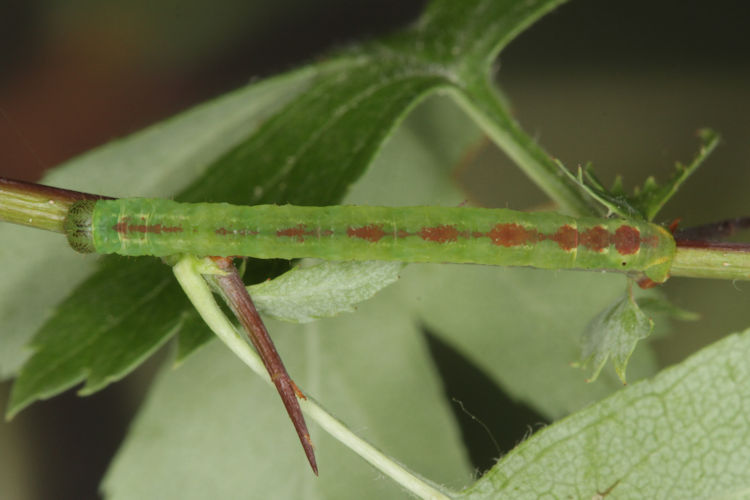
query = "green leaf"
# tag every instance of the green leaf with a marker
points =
(103, 330)
(46, 273)
(181, 147)
(614, 333)
(646, 202)
(213, 429)
(615, 201)
(323, 290)
(522, 327)
(99, 349)
(659, 305)
(681, 435)
(300, 139)
(652, 196)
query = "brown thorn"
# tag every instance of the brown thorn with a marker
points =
(297, 390)
(674, 225)
(235, 294)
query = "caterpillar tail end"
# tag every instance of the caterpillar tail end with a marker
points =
(77, 226)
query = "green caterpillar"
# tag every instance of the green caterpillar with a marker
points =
(140, 226)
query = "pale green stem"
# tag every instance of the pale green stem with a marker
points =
(711, 263)
(188, 272)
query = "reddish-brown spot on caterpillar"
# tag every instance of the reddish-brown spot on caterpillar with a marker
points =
(595, 239)
(298, 232)
(511, 235)
(627, 240)
(439, 234)
(566, 237)
(372, 232)
(651, 242)
(124, 227)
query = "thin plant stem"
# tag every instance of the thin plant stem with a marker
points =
(722, 261)
(483, 103)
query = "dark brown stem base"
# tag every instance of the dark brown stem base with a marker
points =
(712, 231)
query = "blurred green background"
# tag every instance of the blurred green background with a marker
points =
(622, 84)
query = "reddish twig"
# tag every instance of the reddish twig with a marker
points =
(712, 231)
(54, 193)
(707, 235)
